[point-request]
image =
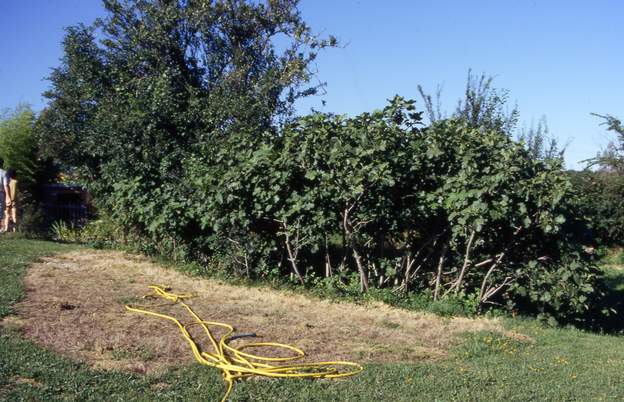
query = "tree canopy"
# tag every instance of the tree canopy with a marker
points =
(153, 81)
(18, 146)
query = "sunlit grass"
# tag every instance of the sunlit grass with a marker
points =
(552, 364)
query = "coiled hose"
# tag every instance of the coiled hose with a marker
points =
(237, 364)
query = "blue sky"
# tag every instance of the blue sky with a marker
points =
(559, 59)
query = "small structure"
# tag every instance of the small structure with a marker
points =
(68, 203)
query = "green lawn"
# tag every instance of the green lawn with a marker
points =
(558, 365)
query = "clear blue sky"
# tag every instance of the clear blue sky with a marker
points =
(560, 59)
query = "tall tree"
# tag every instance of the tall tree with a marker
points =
(485, 107)
(17, 143)
(482, 106)
(157, 86)
(155, 79)
(538, 141)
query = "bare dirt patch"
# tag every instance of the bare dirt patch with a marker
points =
(74, 305)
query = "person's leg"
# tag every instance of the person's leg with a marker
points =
(2, 212)
(5, 226)
(14, 216)
(7, 216)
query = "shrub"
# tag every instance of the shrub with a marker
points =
(178, 138)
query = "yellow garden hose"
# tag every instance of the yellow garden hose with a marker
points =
(237, 364)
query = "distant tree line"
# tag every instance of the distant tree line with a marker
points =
(600, 189)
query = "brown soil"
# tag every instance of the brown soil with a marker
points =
(74, 304)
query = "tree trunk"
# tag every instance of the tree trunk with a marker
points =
(487, 276)
(292, 254)
(361, 270)
(458, 284)
(293, 260)
(436, 292)
(493, 267)
(328, 267)
(412, 258)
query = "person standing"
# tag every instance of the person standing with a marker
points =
(3, 187)
(10, 188)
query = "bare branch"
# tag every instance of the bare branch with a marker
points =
(439, 275)
(457, 284)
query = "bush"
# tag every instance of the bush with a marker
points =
(195, 166)
(32, 221)
(379, 202)
(567, 291)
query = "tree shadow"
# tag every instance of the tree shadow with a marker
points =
(614, 300)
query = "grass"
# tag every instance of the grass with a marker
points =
(95, 282)
(615, 258)
(15, 256)
(142, 353)
(556, 364)
(614, 279)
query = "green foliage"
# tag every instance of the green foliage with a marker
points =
(446, 210)
(178, 120)
(169, 78)
(599, 201)
(18, 144)
(105, 232)
(483, 105)
(64, 232)
(614, 282)
(600, 190)
(19, 149)
(33, 222)
(171, 84)
(564, 292)
(612, 158)
(538, 141)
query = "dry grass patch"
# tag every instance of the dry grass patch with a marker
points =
(25, 380)
(74, 305)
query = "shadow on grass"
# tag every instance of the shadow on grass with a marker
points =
(614, 299)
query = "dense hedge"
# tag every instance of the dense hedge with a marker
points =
(178, 123)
